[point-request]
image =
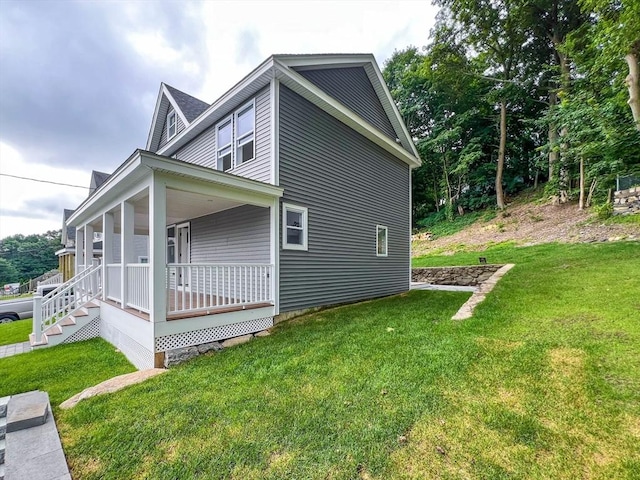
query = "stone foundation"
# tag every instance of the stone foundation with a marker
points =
(471, 276)
(626, 202)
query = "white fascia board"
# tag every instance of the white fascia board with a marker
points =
(356, 59)
(174, 104)
(387, 102)
(177, 167)
(155, 117)
(342, 113)
(212, 113)
(105, 192)
(323, 60)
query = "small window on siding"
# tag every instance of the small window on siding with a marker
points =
(245, 134)
(382, 234)
(294, 227)
(172, 125)
(223, 142)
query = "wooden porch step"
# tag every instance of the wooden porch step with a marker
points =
(91, 305)
(32, 341)
(81, 312)
(68, 321)
(55, 330)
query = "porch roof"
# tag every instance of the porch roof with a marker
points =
(138, 170)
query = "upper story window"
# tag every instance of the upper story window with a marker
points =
(382, 234)
(294, 227)
(235, 138)
(172, 124)
(224, 134)
(245, 134)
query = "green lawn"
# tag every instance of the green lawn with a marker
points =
(543, 382)
(15, 332)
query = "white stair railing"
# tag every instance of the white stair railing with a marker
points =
(56, 305)
(57, 278)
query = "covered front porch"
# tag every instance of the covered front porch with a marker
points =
(184, 247)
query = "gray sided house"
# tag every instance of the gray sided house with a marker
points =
(289, 192)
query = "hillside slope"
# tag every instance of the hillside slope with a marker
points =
(530, 223)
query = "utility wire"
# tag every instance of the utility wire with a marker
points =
(43, 181)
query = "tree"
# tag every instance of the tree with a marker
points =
(31, 255)
(497, 31)
(8, 273)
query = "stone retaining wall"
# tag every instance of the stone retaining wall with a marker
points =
(472, 275)
(626, 202)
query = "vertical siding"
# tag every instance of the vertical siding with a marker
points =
(202, 149)
(351, 86)
(349, 186)
(239, 235)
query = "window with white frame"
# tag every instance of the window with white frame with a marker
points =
(245, 134)
(294, 227)
(172, 124)
(224, 137)
(382, 234)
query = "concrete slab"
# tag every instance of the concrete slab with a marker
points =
(27, 416)
(35, 453)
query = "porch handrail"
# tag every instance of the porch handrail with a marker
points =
(57, 304)
(138, 286)
(208, 286)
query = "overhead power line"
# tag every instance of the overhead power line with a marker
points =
(43, 181)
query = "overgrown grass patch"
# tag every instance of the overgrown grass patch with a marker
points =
(63, 370)
(15, 332)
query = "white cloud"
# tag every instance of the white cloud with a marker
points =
(27, 206)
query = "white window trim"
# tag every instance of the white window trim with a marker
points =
(386, 241)
(230, 120)
(175, 124)
(305, 227)
(238, 142)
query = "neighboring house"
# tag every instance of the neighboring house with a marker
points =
(291, 191)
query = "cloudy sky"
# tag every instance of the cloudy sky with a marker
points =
(79, 80)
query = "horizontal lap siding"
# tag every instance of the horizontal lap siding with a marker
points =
(202, 149)
(239, 235)
(180, 128)
(349, 185)
(352, 87)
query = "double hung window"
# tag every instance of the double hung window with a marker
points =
(294, 227)
(172, 125)
(235, 138)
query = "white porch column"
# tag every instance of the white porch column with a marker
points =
(127, 220)
(79, 249)
(88, 246)
(274, 211)
(157, 250)
(107, 250)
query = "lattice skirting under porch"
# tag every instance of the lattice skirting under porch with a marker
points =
(90, 330)
(211, 334)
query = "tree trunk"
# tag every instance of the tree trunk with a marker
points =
(501, 154)
(564, 180)
(591, 190)
(581, 201)
(553, 137)
(633, 84)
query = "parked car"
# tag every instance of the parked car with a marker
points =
(21, 308)
(12, 288)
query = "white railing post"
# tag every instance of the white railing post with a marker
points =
(37, 317)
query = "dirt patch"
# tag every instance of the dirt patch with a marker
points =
(531, 224)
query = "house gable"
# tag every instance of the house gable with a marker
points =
(171, 100)
(351, 87)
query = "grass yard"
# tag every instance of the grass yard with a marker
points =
(62, 371)
(543, 382)
(15, 332)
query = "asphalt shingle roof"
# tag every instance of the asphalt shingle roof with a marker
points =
(190, 106)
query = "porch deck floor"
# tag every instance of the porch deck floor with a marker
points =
(192, 299)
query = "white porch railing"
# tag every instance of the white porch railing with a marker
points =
(138, 286)
(208, 286)
(56, 305)
(114, 282)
